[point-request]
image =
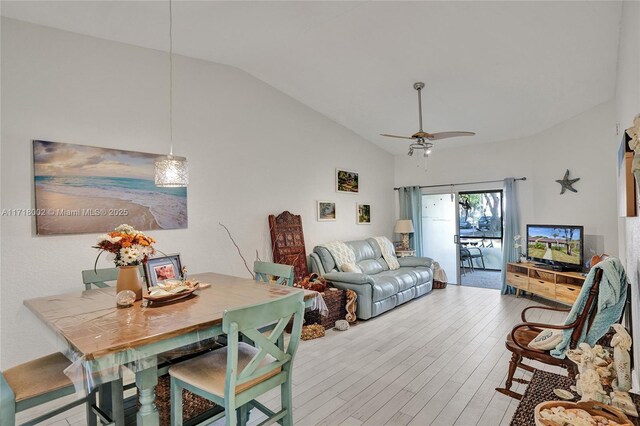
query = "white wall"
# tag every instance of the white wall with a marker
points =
(252, 151)
(627, 107)
(579, 144)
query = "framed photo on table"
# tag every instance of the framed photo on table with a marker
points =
(163, 268)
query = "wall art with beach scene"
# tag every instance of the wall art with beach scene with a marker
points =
(85, 189)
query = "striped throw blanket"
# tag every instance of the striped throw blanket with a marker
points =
(388, 252)
(342, 253)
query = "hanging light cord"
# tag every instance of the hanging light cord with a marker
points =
(171, 77)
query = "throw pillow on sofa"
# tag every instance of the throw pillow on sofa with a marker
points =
(546, 340)
(350, 267)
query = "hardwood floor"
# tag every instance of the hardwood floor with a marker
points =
(433, 361)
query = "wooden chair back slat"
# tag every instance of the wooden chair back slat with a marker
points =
(264, 270)
(100, 277)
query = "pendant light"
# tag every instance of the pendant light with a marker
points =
(171, 172)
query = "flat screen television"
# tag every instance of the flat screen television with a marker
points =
(559, 247)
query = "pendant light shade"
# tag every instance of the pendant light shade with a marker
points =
(172, 172)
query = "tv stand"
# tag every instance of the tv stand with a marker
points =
(558, 268)
(541, 280)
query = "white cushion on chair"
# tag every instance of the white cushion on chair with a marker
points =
(208, 371)
(547, 339)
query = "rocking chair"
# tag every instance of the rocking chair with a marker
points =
(522, 334)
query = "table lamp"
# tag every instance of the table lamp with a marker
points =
(404, 227)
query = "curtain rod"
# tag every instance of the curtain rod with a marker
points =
(465, 183)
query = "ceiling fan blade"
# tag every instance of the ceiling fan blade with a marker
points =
(445, 135)
(396, 136)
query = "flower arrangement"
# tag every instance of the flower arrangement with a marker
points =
(127, 245)
(517, 245)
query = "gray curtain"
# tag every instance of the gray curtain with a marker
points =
(411, 208)
(511, 228)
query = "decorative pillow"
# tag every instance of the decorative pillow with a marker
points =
(351, 267)
(547, 339)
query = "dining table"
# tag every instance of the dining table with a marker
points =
(100, 338)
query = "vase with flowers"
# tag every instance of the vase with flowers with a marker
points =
(517, 246)
(129, 248)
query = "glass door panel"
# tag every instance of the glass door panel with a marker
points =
(480, 222)
(439, 232)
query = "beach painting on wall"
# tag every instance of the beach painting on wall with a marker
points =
(85, 189)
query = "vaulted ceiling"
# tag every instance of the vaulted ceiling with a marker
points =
(502, 69)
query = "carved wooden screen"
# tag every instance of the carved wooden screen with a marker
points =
(287, 240)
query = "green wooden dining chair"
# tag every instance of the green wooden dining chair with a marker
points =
(283, 274)
(38, 382)
(234, 376)
(100, 277)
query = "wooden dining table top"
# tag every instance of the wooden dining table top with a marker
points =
(93, 326)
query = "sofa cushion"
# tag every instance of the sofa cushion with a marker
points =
(362, 249)
(325, 257)
(405, 279)
(422, 275)
(372, 266)
(384, 287)
(405, 296)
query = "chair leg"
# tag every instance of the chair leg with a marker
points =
(230, 412)
(92, 419)
(104, 398)
(243, 415)
(572, 371)
(287, 401)
(513, 365)
(7, 403)
(176, 403)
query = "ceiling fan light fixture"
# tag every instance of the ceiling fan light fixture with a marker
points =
(419, 139)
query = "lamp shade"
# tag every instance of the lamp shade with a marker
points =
(403, 226)
(171, 172)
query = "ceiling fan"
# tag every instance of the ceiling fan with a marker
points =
(422, 139)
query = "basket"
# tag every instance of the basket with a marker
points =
(192, 404)
(439, 284)
(591, 407)
(336, 301)
(310, 332)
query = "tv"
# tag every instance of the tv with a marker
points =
(557, 247)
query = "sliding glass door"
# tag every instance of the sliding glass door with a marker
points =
(462, 231)
(480, 223)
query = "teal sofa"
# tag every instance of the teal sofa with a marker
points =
(379, 289)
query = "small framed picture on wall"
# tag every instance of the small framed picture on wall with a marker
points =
(363, 214)
(347, 181)
(326, 211)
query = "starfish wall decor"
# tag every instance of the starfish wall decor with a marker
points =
(567, 183)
